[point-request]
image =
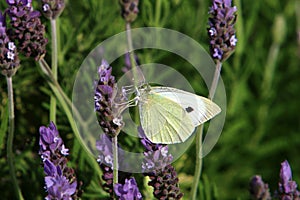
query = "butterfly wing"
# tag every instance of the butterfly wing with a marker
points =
(164, 120)
(198, 108)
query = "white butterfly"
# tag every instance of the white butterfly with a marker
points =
(169, 115)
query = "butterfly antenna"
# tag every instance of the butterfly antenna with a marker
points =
(141, 76)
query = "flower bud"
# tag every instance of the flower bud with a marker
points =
(129, 9)
(52, 8)
(26, 29)
(9, 61)
(221, 29)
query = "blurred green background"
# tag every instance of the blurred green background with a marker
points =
(262, 80)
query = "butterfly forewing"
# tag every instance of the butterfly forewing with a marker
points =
(200, 109)
(164, 120)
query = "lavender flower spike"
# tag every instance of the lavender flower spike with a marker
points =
(258, 189)
(105, 160)
(52, 8)
(156, 165)
(129, 9)
(60, 180)
(57, 185)
(221, 30)
(128, 190)
(26, 28)
(108, 113)
(287, 187)
(9, 60)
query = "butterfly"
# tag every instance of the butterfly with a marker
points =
(169, 115)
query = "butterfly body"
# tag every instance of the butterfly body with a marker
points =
(169, 115)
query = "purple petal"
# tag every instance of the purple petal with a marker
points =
(105, 89)
(46, 135)
(285, 172)
(34, 14)
(49, 181)
(227, 3)
(118, 188)
(49, 168)
(72, 189)
(11, 2)
(128, 191)
(2, 19)
(156, 155)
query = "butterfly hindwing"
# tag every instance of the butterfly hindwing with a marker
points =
(163, 120)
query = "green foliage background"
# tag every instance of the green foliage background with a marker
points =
(262, 80)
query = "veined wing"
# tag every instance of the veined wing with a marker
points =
(164, 120)
(200, 109)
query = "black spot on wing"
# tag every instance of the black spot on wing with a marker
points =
(189, 109)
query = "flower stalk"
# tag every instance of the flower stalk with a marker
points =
(199, 162)
(199, 134)
(223, 41)
(67, 106)
(131, 54)
(129, 10)
(51, 10)
(53, 67)
(10, 138)
(115, 157)
(110, 120)
(215, 81)
(9, 64)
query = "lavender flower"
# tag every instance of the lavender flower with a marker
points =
(156, 165)
(60, 180)
(128, 190)
(129, 9)
(52, 8)
(104, 146)
(57, 185)
(258, 189)
(105, 160)
(287, 187)
(9, 60)
(221, 30)
(107, 177)
(108, 113)
(26, 28)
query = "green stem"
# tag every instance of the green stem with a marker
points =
(54, 68)
(214, 84)
(199, 134)
(115, 161)
(199, 161)
(46, 69)
(157, 12)
(131, 53)
(61, 96)
(133, 63)
(10, 138)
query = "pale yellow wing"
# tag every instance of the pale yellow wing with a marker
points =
(200, 109)
(164, 120)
